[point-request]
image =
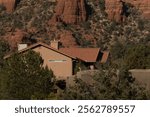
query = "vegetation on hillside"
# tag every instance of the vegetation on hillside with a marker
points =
(131, 56)
(29, 14)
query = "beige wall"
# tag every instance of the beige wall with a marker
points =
(60, 68)
(142, 76)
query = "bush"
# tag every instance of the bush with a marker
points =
(102, 4)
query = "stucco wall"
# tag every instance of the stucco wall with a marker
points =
(142, 75)
(60, 64)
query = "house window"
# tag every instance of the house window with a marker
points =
(57, 61)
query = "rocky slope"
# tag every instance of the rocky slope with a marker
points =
(71, 22)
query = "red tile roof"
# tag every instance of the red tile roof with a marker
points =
(37, 45)
(84, 54)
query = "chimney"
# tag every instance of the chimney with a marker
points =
(54, 44)
(22, 46)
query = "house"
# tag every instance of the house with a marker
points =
(62, 60)
(142, 76)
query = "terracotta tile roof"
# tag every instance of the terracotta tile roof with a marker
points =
(84, 54)
(39, 44)
(105, 56)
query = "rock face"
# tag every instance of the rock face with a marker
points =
(70, 11)
(143, 5)
(9, 4)
(114, 8)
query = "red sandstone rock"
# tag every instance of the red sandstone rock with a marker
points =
(90, 38)
(70, 11)
(15, 38)
(114, 8)
(67, 39)
(9, 4)
(143, 5)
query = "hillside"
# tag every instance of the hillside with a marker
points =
(74, 23)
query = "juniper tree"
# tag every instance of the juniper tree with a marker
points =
(26, 77)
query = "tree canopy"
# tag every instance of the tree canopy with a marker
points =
(108, 85)
(25, 77)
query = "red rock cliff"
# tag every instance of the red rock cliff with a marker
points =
(70, 11)
(9, 4)
(143, 5)
(114, 8)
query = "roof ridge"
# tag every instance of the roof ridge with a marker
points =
(36, 44)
